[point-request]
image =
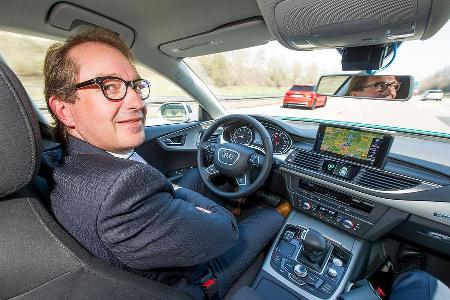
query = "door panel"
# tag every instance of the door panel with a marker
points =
(171, 148)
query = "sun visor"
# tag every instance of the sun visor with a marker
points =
(74, 18)
(230, 37)
(320, 24)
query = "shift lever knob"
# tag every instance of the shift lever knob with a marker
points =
(314, 246)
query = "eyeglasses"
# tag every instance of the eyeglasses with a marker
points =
(115, 88)
(382, 85)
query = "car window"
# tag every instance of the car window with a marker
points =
(302, 88)
(165, 94)
(25, 55)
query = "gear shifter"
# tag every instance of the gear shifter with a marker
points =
(314, 248)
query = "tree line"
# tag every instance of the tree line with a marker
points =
(243, 68)
(440, 80)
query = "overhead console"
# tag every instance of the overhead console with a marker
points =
(315, 24)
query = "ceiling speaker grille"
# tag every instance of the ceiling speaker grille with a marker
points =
(300, 20)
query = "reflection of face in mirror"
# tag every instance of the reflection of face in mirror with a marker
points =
(384, 87)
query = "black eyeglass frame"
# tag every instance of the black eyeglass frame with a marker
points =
(385, 83)
(99, 82)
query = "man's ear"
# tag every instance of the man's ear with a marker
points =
(62, 110)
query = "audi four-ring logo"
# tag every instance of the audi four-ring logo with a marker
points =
(227, 156)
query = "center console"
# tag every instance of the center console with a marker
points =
(309, 260)
(312, 262)
(323, 244)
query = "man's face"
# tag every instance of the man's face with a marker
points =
(374, 91)
(115, 126)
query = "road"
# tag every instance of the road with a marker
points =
(424, 115)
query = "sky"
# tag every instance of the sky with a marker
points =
(417, 58)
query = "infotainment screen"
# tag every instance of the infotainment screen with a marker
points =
(358, 145)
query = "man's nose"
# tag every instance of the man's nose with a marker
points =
(133, 100)
(392, 90)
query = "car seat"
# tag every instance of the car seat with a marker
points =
(38, 258)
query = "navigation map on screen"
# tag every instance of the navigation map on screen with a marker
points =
(351, 143)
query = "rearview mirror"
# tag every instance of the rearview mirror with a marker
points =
(176, 112)
(383, 87)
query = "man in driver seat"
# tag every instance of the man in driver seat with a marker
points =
(121, 209)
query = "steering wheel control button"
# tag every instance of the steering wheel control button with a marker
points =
(332, 272)
(241, 180)
(337, 262)
(256, 159)
(300, 270)
(212, 170)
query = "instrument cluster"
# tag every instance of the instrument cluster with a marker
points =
(247, 135)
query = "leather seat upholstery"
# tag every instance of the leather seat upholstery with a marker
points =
(38, 258)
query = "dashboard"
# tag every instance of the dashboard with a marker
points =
(364, 181)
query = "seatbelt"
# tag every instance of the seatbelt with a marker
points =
(210, 286)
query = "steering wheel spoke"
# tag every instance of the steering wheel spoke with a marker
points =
(243, 181)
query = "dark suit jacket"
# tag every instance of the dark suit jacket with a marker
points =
(128, 214)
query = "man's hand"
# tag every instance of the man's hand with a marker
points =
(203, 209)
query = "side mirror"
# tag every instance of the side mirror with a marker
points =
(382, 87)
(176, 112)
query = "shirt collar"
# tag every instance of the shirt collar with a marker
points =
(124, 156)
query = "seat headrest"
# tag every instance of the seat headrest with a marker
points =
(20, 138)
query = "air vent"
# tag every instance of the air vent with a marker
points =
(306, 160)
(213, 138)
(385, 181)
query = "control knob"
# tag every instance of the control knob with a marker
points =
(332, 272)
(300, 270)
(306, 206)
(337, 262)
(348, 224)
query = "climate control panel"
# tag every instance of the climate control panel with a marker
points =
(347, 212)
(331, 212)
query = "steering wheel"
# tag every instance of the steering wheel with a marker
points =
(234, 160)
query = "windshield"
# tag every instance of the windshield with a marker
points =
(261, 80)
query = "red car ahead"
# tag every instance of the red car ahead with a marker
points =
(303, 96)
